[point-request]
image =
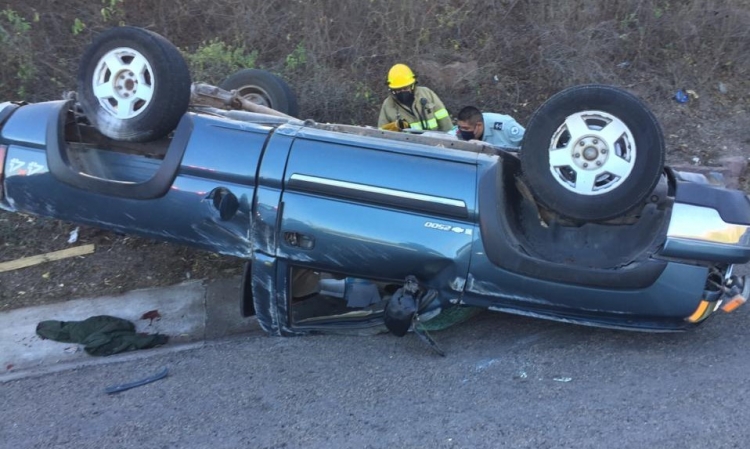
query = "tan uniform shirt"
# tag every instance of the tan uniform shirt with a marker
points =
(428, 115)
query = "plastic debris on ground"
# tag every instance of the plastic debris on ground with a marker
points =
(681, 97)
(73, 236)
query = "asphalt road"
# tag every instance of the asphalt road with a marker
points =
(506, 382)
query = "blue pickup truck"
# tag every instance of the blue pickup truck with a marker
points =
(351, 227)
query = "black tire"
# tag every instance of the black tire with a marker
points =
(160, 92)
(264, 88)
(586, 189)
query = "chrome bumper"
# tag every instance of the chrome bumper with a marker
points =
(697, 232)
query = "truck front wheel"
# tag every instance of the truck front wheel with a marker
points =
(592, 153)
(133, 84)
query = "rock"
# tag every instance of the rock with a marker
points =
(344, 56)
(447, 74)
(736, 165)
(731, 169)
(722, 87)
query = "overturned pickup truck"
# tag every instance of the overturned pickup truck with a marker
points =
(347, 227)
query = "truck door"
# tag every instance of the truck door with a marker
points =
(371, 208)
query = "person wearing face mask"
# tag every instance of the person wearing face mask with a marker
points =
(411, 106)
(496, 129)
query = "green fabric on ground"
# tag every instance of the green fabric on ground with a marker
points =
(100, 335)
(450, 317)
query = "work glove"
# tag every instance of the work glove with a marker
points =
(392, 126)
(396, 125)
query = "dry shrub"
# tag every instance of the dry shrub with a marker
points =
(335, 53)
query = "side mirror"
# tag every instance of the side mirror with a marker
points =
(402, 307)
(399, 312)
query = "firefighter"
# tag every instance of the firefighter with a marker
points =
(411, 106)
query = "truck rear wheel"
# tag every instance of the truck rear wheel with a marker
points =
(263, 88)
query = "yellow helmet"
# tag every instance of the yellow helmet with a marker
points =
(400, 76)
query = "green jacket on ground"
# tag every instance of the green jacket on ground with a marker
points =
(100, 335)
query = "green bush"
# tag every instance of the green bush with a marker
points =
(214, 60)
(18, 70)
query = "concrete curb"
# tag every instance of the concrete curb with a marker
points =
(190, 312)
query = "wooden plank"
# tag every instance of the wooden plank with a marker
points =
(48, 257)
